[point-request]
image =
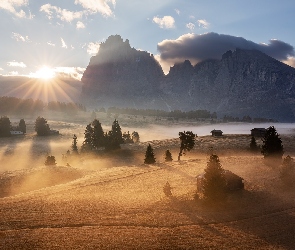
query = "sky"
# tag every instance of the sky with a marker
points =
(42, 38)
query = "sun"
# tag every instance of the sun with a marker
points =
(44, 73)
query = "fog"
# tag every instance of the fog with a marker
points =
(160, 132)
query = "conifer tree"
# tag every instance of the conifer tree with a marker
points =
(149, 155)
(187, 142)
(98, 139)
(50, 161)
(168, 156)
(41, 126)
(214, 184)
(74, 145)
(253, 144)
(272, 144)
(22, 126)
(5, 126)
(87, 145)
(114, 137)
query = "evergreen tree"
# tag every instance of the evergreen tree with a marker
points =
(287, 171)
(5, 126)
(22, 126)
(127, 137)
(187, 142)
(87, 145)
(50, 161)
(74, 145)
(272, 144)
(98, 139)
(168, 156)
(114, 138)
(253, 144)
(149, 155)
(135, 136)
(41, 126)
(214, 184)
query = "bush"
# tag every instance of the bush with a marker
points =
(50, 161)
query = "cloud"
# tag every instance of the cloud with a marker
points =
(80, 25)
(62, 14)
(93, 48)
(12, 5)
(70, 72)
(166, 22)
(20, 38)
(177, 11)
(290, 61)
(16, 64)
(1, 69)
(190, 26)
(13, 73)
(98, 6)
(198, 48)
(203, 24)
(63, 44)
(51, 44)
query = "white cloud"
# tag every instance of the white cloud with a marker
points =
(203, 23)
(290, 61)
(12, 5)
(177, 11)
(98, 6)
(190, 26)
(20, 38)
(13, 73)
(70, 72)
(63, 44)
(16, 64)
(62, 14)
(80, 25)
(51, 44)
(93, 48)
(166, 22)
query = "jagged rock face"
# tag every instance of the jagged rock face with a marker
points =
(243, 82)
(122, 73)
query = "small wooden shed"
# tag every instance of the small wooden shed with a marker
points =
(216, 132)
(258, 132)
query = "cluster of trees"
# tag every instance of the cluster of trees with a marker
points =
(5, 126)
(41, 126)
(246, 118)
(194, 114)
(14, 105)
(95, 138)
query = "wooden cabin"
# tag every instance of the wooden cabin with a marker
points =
(215, 132)
(258, 132)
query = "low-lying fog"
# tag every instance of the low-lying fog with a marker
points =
(159, 132)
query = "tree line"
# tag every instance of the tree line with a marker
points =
(14, 105)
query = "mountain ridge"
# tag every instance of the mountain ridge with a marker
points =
(242, 82)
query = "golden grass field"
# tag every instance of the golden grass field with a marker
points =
(117, 202)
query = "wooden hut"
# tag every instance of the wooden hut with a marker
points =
(216, 132)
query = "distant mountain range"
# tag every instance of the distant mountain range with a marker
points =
(242, 82)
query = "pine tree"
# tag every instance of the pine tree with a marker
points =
(87, 145)
(98, 139)
(287, 171)
(50, 161)
(41, 126)
(214, 184)
(149, 155)
(272, 144)
(5, 126)
(114, 138)
(168, 156)
(22, 126)
(74, 145)
(187, 142)
(253, 144)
